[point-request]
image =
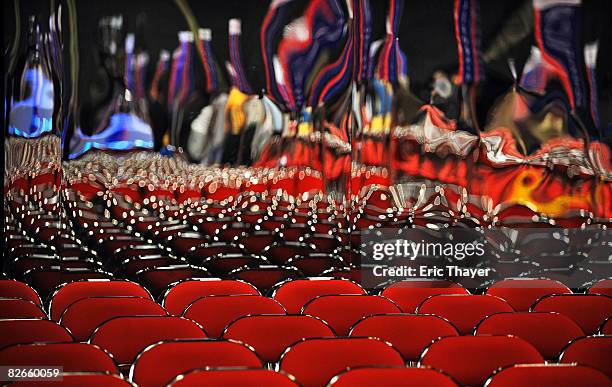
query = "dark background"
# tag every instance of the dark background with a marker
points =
(426, 36)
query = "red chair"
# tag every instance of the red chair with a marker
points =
(409, 294)
(342, 311)
(314, 362)
(125, 337)
(391, 376)
(255, 331)
(588, 310)
(264, 277)
(16, 289)
(547, 332)
(157, 279)
(234, 377)
(73, 357)
(81, 379)
(46, 280)
(464, 311)
(409, 333)
(548, 375)
(315, 264)
(471, 359)
(521, 293)
(74, 291)
(11, 308)
(85, 315)
(160, 363)
(214, 313)
(592, 351)
(606, 327)
(222, 264)
(183, 293)
(31, 331)
(603, 286)
(293, 295)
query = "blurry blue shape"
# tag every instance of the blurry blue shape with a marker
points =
(33, 116)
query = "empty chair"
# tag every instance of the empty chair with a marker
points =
(341, 312)
(548, 332)
(183, 293)
(293, 295)
(19, 308)
(222, 264)
(125, 337)
(83, 316)
(409, 294)
(234, 377)
(45, 280)
(314, 362)
(315, 264)
(603, 286)
(73, 357)
(409, 333)
(16, 289)
(264, 277)
(157, 279)
(592, 351)
(31, 331)
(80, 379)
(521, 293)
(471, 359)
(588, 310)
(464, 311)
(391, 376)
(214, 313)
(256, 332)
(74, 291)
(548, 375)
(160, 363)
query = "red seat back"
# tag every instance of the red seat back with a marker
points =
(73, 357)
(31, 331)
(343, 311)
(46, 280)
(594, 351)
(160, 363)
(11, 308)
(471, 359)
(521, 293)
(549, 375)
(255, 331)
(547, 332)
(588, 310)
(180, 295)
(264, 277)
(606, 327)
(391, 376)
(75, 291)
(234, 377)
(603, 286)
(409, 333)
(16, 289)
(408, 295)
(314, 362)
(293, 295)
(214, 313)
(464, 311)
(157, 279)
(85, 315)
(125, 337)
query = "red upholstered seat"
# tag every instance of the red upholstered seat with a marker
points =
(606, 327)
(214, 313)
(183, 293)
(74, 291)
(11, 308)
(588, 310)
(409, 333)
(521, 293)
(592, 351)
(264, 277)
(234, 377)
(160, 363)
(46, 280)
(549, 375)
(409, 294)
(391, 376)
(548, 332)
(269, 335)
(31, 331)
(314, 362)
(157, 279)
(464, 311)
(125, 337)
(16, 289)
(73, 357)
(293, 295)
(471, 359)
